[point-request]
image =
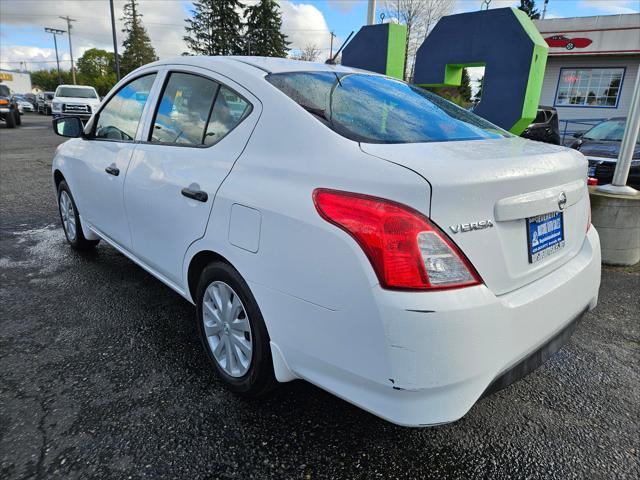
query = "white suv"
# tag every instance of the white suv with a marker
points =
(337, 226)
(74, 100)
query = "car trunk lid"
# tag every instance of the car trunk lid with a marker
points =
(483, 192)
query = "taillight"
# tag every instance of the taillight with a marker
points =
(406, 250)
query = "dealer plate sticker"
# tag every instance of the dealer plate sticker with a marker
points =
(545, 235)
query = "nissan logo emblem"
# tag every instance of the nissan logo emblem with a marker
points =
(562, 201)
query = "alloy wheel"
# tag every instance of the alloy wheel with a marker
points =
(68, 215)
(227, 328)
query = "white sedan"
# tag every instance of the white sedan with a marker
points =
(337, 226)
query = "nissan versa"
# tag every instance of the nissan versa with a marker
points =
(337, 226)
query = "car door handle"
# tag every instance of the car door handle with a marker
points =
(198, 195)
(111, 170)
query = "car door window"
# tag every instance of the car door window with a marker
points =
(119, 118)
(228, 111)
(184, 109)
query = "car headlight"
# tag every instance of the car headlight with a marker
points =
(56, 107)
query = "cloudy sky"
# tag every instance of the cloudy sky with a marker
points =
(22, 22)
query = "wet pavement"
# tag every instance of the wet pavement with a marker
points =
(102, 376)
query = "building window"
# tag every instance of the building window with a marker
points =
(589, 87)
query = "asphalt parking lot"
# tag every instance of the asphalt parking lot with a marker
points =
(102, 376)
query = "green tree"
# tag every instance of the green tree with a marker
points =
(97, 68)
(47, 80)
(263, 36)
(138, 50)
(529, 7)
(215, 28)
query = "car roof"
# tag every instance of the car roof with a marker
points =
(261, 64)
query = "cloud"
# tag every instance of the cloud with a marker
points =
(611, 7)
(304, 24)
(345, 6)
(164, 20)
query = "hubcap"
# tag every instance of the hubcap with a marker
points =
(227, 328)
(68, 216)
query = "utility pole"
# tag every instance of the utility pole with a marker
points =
(54, 32)
(115, 41)
(69, 26)
(371, 12)
(544, 9)
(333, 35)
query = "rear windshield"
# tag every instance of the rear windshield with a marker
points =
(4, 91)
(75, 92)
(375, 109)
(611, 130)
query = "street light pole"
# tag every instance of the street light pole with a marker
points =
(69, 26)
(54, 32)
(544, 9)
(115, 41)
(371, 12)
(627, 147)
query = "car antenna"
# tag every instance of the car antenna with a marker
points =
(332, 60)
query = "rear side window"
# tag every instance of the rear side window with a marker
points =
(228, 111)
(120, 116)
(375, 109)
(184, 110)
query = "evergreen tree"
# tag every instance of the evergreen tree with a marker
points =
(138, 50)
(529, 7)
(263, 36)
(215, 28)
(465, 86)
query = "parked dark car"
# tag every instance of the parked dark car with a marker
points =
(9, 112)
(601, 146)
(44, 102)
(545, 127)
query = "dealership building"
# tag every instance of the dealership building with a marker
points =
(592, 66)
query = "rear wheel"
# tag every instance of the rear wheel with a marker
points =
(10, 120)
(18, 119)
(71, 220)
(233, 331)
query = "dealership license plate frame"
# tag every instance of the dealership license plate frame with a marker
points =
(545, 236)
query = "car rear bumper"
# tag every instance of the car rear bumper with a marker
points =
(471, 341)
(444, 350)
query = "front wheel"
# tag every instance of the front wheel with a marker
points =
(10, 120)
(233, 331)
(570, 46)
(71, 220)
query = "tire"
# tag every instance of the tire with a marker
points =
(18, 119)
(71, 220)
(255, 376)
(570, 46)
(10, 120)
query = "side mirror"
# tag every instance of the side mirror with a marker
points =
(68, 127)
(578, 135)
